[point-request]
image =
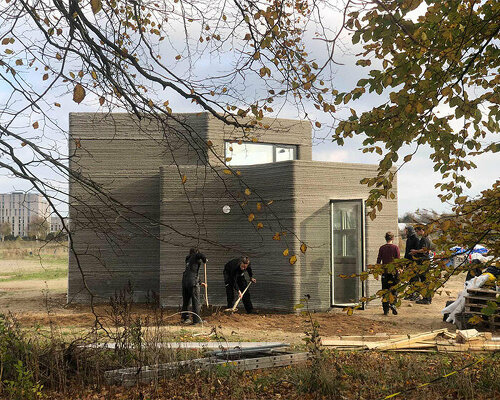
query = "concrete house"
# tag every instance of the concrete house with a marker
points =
(167, 196)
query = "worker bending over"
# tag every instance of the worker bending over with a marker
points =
(234, 279)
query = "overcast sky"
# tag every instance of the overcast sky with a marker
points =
(415, 181)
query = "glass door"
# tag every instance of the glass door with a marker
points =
(347, 250)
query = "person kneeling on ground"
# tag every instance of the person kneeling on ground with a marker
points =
(386, 254)
(191, 285)
(234, 279)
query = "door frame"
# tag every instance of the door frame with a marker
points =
(363, 252)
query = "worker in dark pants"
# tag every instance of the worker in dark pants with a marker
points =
(412, 243)
(234, 279)
(422, 254)
(191, 285)
(386, 254)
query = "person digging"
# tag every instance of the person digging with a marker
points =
(234, 280)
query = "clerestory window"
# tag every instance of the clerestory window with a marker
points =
(258, 153)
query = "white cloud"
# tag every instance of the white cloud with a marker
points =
(340, 155)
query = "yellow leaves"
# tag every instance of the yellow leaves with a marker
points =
(8, 51)
(446, 91)
(227, 171)
(277, 236)
(420, 108)
(35, 125)
(349, 310)
(78, 93)
(259, 206)
(264, 71)
(96, 6)
(260, 225)
(285, 253)
(255, 140)
(303, 248)
(178, 57)
(94, 75)
(19, 62)
(292, 260)
(57, 104)
(184, 179)
(247, 192)
(251, 217)
(58, 56)
(372, 214)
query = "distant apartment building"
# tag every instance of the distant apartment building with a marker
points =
(56, 225)
(19, 209)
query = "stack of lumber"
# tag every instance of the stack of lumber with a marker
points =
(439, 340)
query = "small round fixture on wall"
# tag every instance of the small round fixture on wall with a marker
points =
(226, 209)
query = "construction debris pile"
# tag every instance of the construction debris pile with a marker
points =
(440, 340)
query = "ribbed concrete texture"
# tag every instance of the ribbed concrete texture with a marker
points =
(115, 233)
(293, 197)
(167, 189)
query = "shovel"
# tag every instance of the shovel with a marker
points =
(239, 299)
(206, 286)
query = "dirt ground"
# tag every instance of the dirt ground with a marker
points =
(37, 302)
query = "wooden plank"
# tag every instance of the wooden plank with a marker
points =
(476, 297)
(469, 347)
(484, 291)
(408, 342)
(466, 335)
(343, 343)
(369, 338)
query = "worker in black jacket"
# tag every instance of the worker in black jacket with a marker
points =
(234, 279)
(422, 254)
(412, 243)
(191, 285)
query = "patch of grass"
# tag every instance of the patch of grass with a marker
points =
(44, 275)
